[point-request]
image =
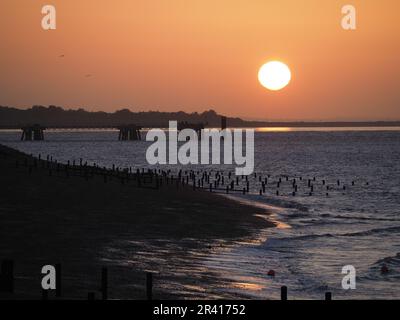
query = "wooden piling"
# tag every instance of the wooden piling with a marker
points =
(58, 280)
(328, 296)
(283, 293)
(149, 286)
(7, 276)
(45, 294)
(104, 283)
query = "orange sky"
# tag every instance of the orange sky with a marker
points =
(194, 55)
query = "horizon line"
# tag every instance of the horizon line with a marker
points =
(274, 120)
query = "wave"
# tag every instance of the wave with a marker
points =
(336, 235)
(393, 260)
(269, 201)
(359, 218)
(371, 232)
(393, 275)
(298, 238)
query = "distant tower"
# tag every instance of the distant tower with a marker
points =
(223, 122)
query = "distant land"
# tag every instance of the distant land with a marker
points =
(53, 116)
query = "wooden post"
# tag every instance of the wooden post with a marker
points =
(104, 283)
(283, 293)
(328, 296)
(58, 280)
(45, 294)
(7, 276)
(149, 286)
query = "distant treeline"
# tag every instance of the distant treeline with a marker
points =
(54, 116)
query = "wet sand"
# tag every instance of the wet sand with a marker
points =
(83, 223)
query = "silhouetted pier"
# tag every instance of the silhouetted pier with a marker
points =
(34, 132)
(129, 132)
(194, 126)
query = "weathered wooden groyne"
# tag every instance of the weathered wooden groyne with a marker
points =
(219, 181)
(7, 284)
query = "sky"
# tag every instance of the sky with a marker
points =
(171, 55)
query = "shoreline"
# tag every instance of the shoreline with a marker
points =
(49, 215)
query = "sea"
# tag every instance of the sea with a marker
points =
(351, 217)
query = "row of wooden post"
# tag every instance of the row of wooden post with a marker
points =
(7, 280)
(189, 178)
(7, 283)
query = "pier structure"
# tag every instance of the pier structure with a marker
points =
(194, 126)
(129, 132)
(33, 132)
(126, 132)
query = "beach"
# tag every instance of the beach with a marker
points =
(228, 254)
(84, 222)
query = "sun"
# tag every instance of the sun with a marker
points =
(274, 75)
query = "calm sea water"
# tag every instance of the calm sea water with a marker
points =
(318, 234)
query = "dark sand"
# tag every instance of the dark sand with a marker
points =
(85, 224)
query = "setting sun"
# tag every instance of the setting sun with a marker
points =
(274, 75)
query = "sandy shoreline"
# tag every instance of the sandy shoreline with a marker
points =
(49, 215)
